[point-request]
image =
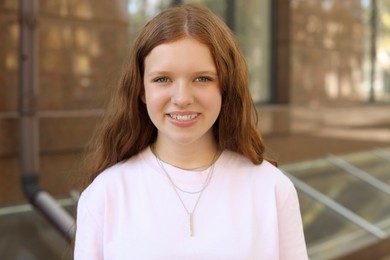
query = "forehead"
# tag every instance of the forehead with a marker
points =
(183, 53)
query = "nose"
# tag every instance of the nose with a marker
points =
(182, 94)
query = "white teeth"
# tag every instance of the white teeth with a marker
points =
(183, 117)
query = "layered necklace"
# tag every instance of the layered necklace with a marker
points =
(199, 192)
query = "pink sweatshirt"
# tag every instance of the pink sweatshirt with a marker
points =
(248, 211)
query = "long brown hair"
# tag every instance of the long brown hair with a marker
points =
(127, 129)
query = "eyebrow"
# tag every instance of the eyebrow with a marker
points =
(156, 73)
(163, 72)
(212, 72)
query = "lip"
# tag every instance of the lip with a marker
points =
(183, 123)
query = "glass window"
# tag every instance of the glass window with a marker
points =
(382, 73)
(253, 31)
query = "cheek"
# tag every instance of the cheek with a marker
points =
(214, 100)
(152, 98)
(212, 103)
(155, 102)
(148, 96)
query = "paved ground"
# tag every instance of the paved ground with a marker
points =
(26, 235)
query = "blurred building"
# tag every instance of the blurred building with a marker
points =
(319, 74)
(81, 49)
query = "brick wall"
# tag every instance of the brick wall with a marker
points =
(82, 46)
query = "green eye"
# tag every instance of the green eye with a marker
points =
(161, 80)
(202, 79)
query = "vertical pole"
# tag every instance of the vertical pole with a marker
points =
(373, 51)
(231, 14)
(274, 26)
(29, 122)
(28, 90)
(281, 51)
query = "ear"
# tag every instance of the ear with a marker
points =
(142, 97)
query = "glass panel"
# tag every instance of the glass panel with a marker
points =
(359, 197)
(322, 224)
(371, 164)
(328, 234)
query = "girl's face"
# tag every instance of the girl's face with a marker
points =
(182, 92)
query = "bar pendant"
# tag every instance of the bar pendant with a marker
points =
(191, 225)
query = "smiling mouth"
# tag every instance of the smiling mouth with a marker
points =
(183, 117)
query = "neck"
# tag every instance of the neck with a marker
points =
(190, 157)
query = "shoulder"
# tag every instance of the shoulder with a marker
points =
(264, 178)
(114, 173)
(96, 192)
(264, 171)
(114, 178)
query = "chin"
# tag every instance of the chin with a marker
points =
(186, 140)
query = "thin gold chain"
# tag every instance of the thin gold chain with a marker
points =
(206, 183)
(177, 189)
